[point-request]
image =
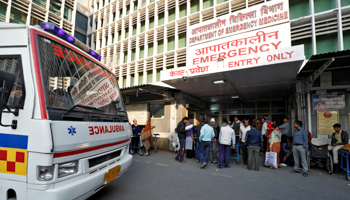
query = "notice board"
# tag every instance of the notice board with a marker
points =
(138, 112)
(325, 121)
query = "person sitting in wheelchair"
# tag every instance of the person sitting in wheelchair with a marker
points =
(339, 139)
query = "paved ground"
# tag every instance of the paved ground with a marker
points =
(159, 176)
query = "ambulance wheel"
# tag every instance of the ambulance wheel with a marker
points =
(329, 164)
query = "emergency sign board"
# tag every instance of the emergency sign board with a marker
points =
(329, 101)
(260, 16)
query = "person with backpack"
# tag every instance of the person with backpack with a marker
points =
(339, 139)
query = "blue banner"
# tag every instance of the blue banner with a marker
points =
(329, 101)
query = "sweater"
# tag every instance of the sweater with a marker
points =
(227, 135)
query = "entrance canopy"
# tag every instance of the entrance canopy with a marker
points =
(264, 81)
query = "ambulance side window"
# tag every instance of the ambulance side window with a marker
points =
(13, 65)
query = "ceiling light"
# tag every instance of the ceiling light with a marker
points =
(219, 82)
(235, 97)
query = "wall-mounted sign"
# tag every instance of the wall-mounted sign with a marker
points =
(328, 101)
(256, 17)
(325, 121)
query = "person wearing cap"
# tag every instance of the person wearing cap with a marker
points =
(198, 144)
(214, 142)
(227, 139)
(181, 131)
(207, 134)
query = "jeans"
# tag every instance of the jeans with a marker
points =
(244, 152)
(198, 149)
(299, 153)
(180, 155)
(205, 151)
(224, 154)
(213, 152)
(253, 150)
(283, 152)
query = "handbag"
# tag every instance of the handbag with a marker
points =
(271, 159)
(346, 147)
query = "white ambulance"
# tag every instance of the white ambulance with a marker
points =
(64, 131)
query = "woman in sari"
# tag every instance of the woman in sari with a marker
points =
(269, 131)
(190, 153)
(275, 142)
(146, 137)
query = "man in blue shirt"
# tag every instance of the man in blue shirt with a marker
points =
(207, 134)
(253, 140)
(300, 142)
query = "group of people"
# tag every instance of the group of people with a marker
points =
(256, 138)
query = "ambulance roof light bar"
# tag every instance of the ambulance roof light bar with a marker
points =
(51, 27)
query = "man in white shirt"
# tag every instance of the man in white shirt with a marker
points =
(242, 133)
(263, 133)
(174, 139)
(227, 139)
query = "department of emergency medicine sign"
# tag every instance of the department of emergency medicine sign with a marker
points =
(329, 101)
(255, 17)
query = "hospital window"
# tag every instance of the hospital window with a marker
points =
(150, 76)
(323, 5)
(160, 19)
(171, 16)
(157, 110)
(151, 23)
(194, 6)
(183, 10)
(140, 78)
(299, 8)
(208, 3)
(327, 43)
(160, 46)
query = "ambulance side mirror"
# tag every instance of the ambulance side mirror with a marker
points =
(6, 83)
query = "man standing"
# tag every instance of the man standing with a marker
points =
(198, 144)
(225, 137)
(181, 131)
(300, 141)
(242, 133)
(236, 124)
(339, 139)
(207, 134)
(264, 133)
(258, 124)
(253, 141)
(284, 139)
(267, 118)
(136, 139)
(214, 143)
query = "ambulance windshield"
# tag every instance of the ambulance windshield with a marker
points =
(74, 82)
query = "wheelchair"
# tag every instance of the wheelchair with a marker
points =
(319, 155)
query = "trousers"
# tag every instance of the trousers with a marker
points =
(224, 154)
(180, 154)
(299, 155)
(213, 151)
(253, 151)
(335, 150)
